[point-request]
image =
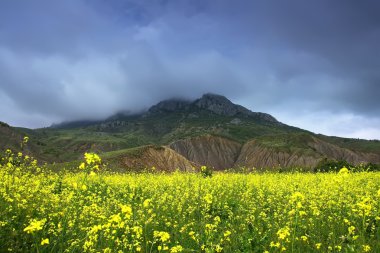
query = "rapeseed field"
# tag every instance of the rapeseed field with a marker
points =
(87, 210)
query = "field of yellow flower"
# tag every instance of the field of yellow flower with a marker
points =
(87, 211)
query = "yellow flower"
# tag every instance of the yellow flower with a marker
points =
(297, 196)
(115, 218)
(161, 235)
(318, 245)
(366, 248)
(45, 241)
(92, 158)
(192, 235)
(351, 230)
(126, 210)
(82, 166)
(146, 203)
(35, 225)
(218, 248)
(365, 206)
(227, 233)
(176, 249)
(302, 213)
(274, 245)
(210, 227)
(343, 170)
(283, 233)
(208, 198)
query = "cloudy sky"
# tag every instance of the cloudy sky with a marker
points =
(311, 64)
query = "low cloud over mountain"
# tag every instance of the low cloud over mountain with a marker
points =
(314, 64)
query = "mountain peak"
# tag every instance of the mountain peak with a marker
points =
(215, 98)
(214, 103)
(220, 105)
(170, 105)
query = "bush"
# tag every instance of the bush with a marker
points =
(334, 166)
(331, 165)
(206, 171)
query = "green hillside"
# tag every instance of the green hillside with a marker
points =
(173, 120)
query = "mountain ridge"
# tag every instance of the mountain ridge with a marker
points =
(210, 130)
(214, 103)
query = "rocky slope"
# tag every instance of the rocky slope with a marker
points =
(222, 153)
(216, 152)
(326, 149)
(151, 158)
(11, 138)
(255, 155)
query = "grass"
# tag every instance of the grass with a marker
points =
(43, 211)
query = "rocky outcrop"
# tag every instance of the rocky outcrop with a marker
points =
(159, 158)
(222, 153)
(329, 150)
(216, 152)
(222, 106)
(217, 104)
(253, 154)
(170, 105)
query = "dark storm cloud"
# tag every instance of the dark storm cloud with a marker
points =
(64, 60)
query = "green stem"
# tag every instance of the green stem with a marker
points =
(294, 230)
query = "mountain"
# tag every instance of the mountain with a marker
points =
(217, 104)
(178, 133)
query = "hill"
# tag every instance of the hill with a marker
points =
(181, 134)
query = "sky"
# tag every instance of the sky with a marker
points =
(311, 64)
